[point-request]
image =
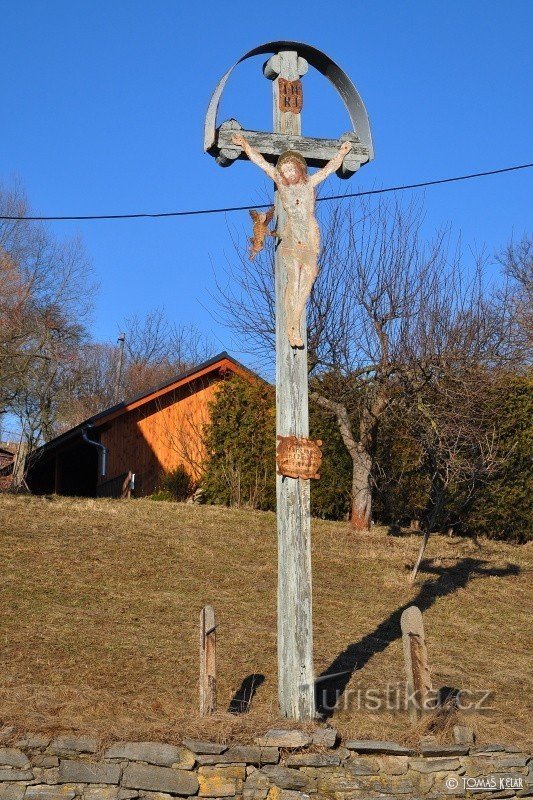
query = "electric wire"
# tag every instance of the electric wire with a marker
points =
(198, 212)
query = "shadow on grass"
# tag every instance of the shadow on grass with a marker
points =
(241, 700)
(332, 682)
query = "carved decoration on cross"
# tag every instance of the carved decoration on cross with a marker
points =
(218, 139)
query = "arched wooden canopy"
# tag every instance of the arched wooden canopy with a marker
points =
(217, 140)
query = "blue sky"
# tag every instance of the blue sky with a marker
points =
(103, 106)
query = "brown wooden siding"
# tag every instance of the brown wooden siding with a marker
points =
(156, 437)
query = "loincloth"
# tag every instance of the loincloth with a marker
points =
(299, 251)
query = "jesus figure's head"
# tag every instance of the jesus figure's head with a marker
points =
(292, 167)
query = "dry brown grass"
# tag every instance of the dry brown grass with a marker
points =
(100, 599)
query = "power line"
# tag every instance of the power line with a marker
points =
(198, 212)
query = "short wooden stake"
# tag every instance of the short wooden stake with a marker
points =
(208, 674)
(126, 486)
(416, 662)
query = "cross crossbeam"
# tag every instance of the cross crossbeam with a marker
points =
(317, 152)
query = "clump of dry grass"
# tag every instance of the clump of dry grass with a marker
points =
(100, 600)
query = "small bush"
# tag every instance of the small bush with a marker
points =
(175, 486)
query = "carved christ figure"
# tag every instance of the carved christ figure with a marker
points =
(300, 238)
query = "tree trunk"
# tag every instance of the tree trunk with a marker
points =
(361, 515)
(363, 461)
(19, 466)
(438, 495)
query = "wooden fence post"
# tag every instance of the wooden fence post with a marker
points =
(416, 662)
(208, 675)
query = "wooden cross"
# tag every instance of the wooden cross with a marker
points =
(296, 687)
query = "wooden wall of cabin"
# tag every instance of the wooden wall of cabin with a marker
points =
(159, 435)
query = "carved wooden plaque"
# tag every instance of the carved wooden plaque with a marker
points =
(290, 95)
(298, 457)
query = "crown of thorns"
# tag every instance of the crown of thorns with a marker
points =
(291, 155)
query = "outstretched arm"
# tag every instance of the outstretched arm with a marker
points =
(331, 166)
(254, 156)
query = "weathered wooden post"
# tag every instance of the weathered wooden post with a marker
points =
(296, 682)
(208, 672)
(297, 250)
(415, 655)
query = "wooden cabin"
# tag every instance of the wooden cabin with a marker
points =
(7, 462)
(134, 443)
(7, 455)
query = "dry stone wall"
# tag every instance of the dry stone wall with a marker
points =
(281, 765)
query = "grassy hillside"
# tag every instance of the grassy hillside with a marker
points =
(100, 599)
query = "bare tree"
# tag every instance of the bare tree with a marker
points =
(89, 384)
(452, 419)
(389, 313)
(517, 262)
(148, 337)
(45, 299)
(156, 352)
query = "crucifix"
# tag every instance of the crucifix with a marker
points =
(285, 155)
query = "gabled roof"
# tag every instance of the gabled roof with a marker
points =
(219, 362)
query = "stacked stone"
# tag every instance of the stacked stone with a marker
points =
(281, 765)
